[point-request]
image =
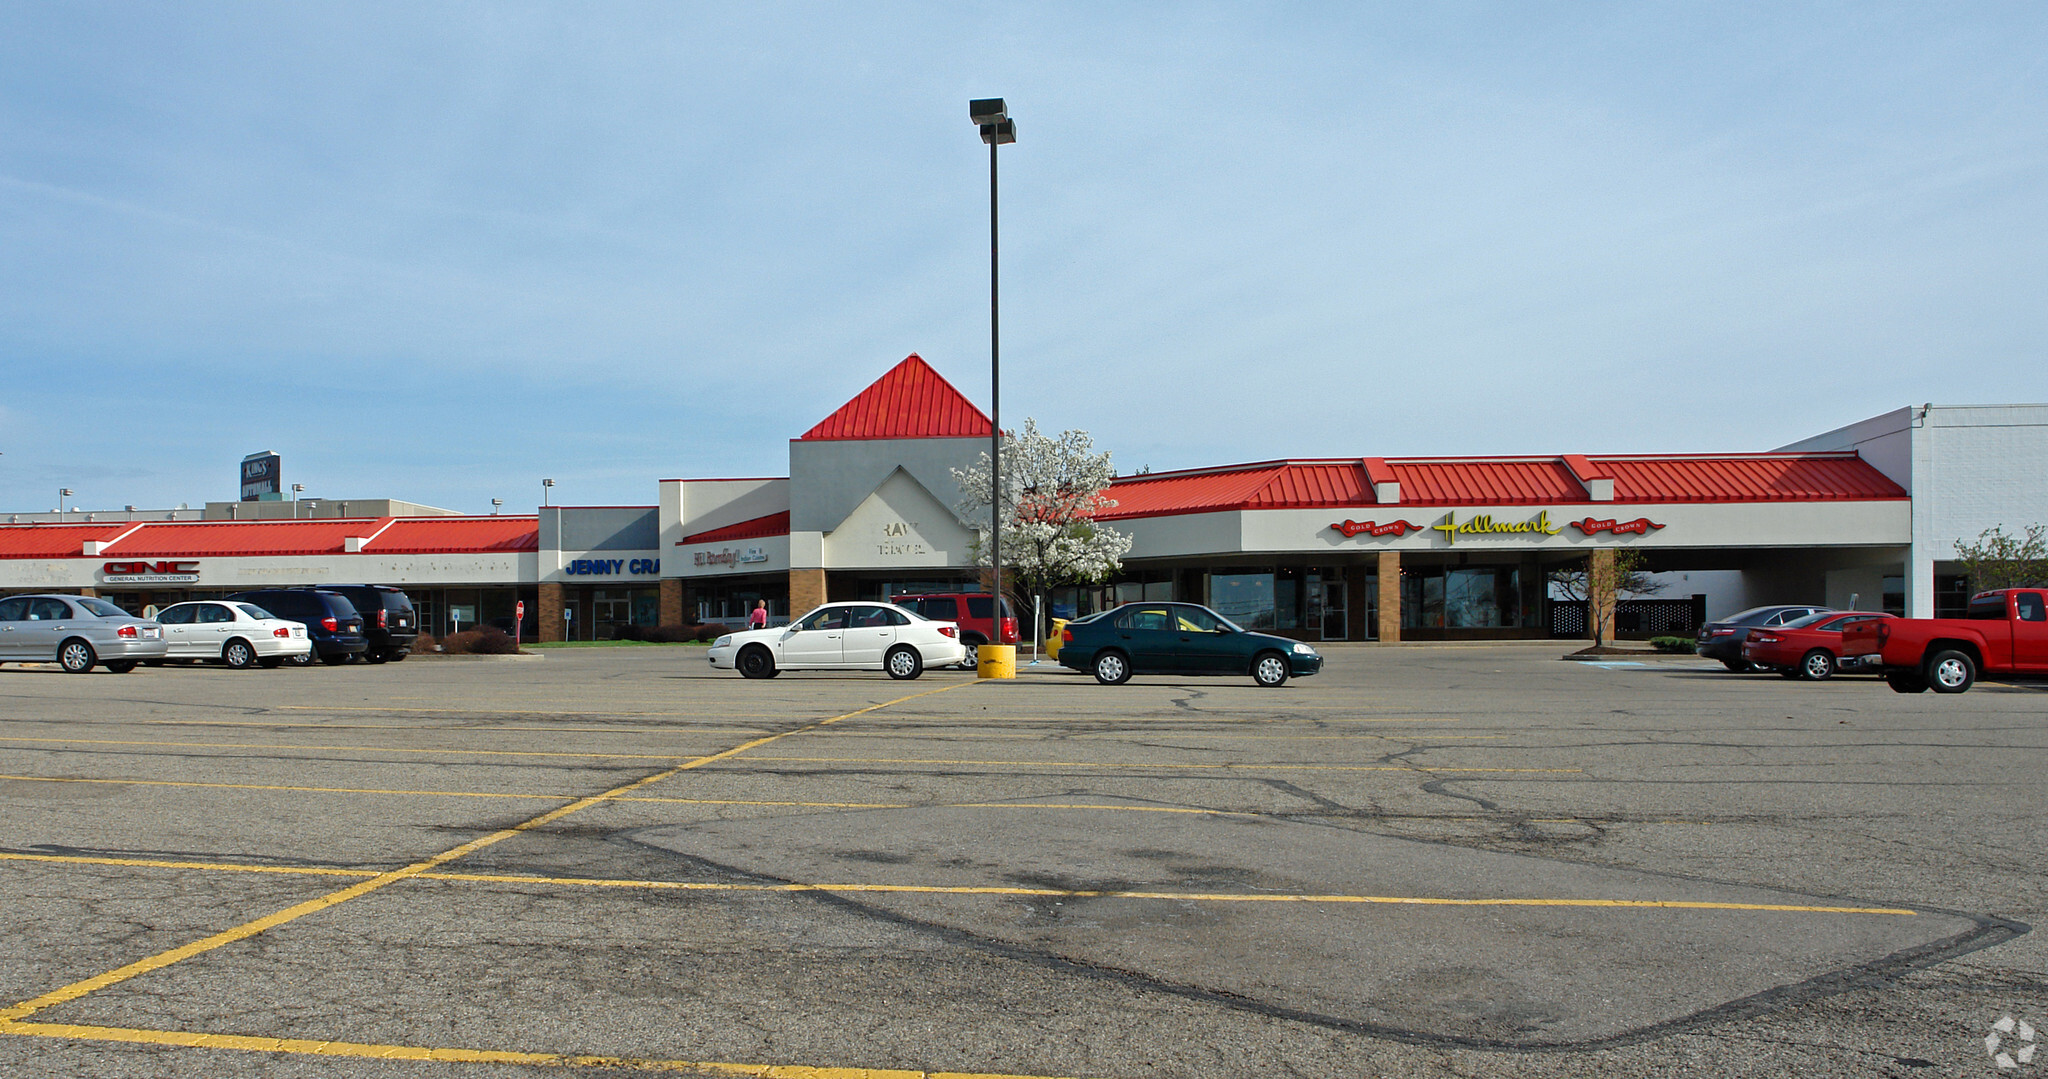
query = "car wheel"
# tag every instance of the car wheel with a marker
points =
(122, 666)
(1112, 668)
(374, 656)
(238, 655)
(1736, 665)
(1951, 672)
(973, 641)
(397, 655)
(1905, 682)
(1817, 665)
(904, 662)
(1269, 669)
(335, 660)
(76, 656)
(271, 663)
(755, 662)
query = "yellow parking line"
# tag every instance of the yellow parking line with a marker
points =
(971, 889)
(1103, 764)
(249, 929)
(645, 798)
(373, 1051)
(351, 749)
(530, 711)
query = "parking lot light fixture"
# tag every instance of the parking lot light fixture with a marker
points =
(544, 485)
(992, 116)
(496, 504)
(62, 494)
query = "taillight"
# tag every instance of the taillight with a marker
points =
(129, 632)
(1066, 636)
(1009, 632)
(383, 619)
(330, 625)
(949, 631)
(1722, 633)
(1763, 638)
(1884, 633)
(280, 632)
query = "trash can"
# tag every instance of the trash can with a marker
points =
(1052, 639)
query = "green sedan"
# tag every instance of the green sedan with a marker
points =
(1179, 638)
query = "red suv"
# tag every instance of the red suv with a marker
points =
(971, 610)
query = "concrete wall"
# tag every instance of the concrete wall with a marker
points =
(600, 528)
(899, 524)
(828, 479)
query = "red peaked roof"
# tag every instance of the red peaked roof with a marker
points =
(1762, 477)
(910, 401)
(193, 539)
(775, 524)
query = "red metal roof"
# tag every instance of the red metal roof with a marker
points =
(194, 539)
(1749, 478)
(775, 524)
(191, 539)
(457, 535)
(910, 401)
(54, 541)
(1760, 477)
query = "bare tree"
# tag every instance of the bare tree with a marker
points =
(1997, 560)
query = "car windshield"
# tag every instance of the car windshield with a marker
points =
(102, 608)
(1812, 619)
(254, 611)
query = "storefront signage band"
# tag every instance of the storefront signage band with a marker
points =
(1641, 526)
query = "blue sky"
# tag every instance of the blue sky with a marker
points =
(439, 251)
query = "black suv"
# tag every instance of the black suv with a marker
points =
(388, 619)
(330, 619)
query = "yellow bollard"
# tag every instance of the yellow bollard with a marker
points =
(996, 661)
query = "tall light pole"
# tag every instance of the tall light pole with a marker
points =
(997, 129)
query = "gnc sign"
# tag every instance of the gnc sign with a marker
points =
(180, 572)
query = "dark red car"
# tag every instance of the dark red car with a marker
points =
(1810, 647)
(973, 612)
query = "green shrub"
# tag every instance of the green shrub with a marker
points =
(1672, 644)
(484, 641)
(710, 631)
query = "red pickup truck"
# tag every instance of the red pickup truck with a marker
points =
(2004, 632)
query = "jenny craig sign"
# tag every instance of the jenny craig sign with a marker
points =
(1484, 524)
(607, 567)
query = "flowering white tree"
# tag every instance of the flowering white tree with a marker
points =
(1052, 490)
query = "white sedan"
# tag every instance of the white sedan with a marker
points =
(843, 637)
(238, 634)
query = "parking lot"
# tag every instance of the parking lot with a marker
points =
(1456, 860)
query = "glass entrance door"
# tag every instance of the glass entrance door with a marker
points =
(1334, 607)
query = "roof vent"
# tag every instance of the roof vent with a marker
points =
(1599, 484)
(354, 544)
(1386, 486)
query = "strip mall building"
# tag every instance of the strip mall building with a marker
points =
(1344, 548)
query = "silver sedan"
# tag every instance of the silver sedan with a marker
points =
(78, 632)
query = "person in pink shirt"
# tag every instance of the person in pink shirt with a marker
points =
(758, 617)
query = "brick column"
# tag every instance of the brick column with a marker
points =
(549, 598)
(1600, 595)
(806, 590)
(672, 601)
(1390, 596)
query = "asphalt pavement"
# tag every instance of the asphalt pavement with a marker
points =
(1455, 861)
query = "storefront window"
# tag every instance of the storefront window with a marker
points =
(1422, 598)
(1244, 598)
(1461, 597)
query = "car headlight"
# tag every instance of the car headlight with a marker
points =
(723, 642)
(1302, 649)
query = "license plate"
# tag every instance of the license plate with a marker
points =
(152, 634)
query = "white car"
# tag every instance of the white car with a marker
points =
(843, 637)
(238, 634)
